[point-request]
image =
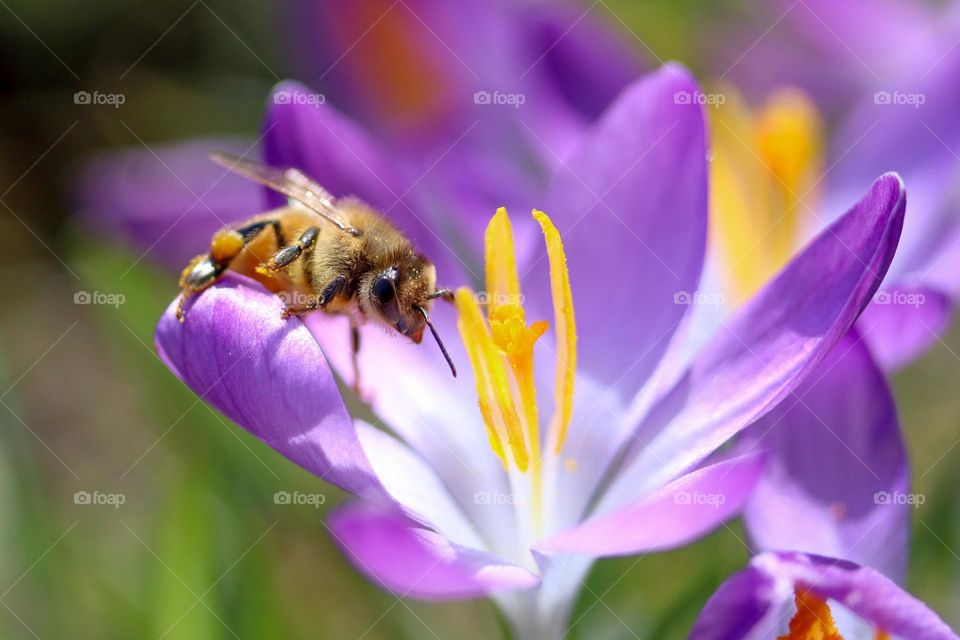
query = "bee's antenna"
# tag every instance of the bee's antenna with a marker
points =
(436, 336)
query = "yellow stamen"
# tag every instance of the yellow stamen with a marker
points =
(763, 175)
(503, 284)
(813, 620)
(566, 328)
(493, 386)
(502, 357)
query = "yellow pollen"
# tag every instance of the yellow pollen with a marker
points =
(813, 620)
(226, 244)
(502, 355)
(765, 169)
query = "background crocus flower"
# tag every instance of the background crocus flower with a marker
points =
(750, 604)
(442, 515)
(829, 518)
(771, 190)
(465, 129)
(771, 44)
(886, 109)
(422, 72)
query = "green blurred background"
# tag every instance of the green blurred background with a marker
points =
(199, 549)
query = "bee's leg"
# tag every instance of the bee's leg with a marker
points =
(328, 293)
(288, 255)
(252, 230)
(446, 294)
(204, 270)
(354, 353)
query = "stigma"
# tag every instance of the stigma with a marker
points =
(500, 344)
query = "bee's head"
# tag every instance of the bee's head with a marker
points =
(398, 295)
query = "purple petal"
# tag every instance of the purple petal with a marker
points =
(631, 204)
(756, 601)
(415, 486)
(269, 376)
(411, 562)
(835, 447)
(302, 131)
(766, 349)
(167, 202)
(672, 516)
(410, 388)
(903, 323)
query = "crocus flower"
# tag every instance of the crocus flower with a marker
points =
(457, 502)
(751, 604)
(829, 518)
(771, 190)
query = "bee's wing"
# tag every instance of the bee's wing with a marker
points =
(290, 182)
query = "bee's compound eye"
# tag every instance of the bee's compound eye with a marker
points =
(384, 290)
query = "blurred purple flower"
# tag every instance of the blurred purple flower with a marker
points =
(830, 516)
(639, 470)
(892, 108)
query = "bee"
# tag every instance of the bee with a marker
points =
(337, 255)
